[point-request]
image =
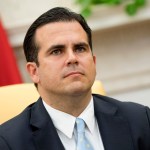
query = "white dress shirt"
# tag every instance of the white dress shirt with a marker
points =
(65, 123)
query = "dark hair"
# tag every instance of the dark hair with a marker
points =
(57, 14)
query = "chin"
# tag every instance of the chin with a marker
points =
(78, 89)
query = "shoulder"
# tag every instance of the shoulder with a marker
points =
(133, 116)
(120, 104)
(130, 110)
(16, 124)
(16, 132)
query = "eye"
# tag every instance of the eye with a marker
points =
(56, 52)
(80, 49)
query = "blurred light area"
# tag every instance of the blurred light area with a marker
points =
(17, 15)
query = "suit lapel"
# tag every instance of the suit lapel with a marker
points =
(114, 129)
(45, 136)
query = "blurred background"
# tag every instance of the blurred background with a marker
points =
(121, 44)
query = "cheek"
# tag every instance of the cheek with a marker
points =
(91, 67)
(89, 61)
(51, 69)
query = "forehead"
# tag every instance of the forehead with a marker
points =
(58, 30)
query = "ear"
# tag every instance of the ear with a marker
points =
(33, 71)
(94, 59)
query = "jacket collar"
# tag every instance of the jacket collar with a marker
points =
(113, 127)
(44, 133)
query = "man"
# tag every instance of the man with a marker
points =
(60, 61)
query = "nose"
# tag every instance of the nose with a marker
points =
(71, 58)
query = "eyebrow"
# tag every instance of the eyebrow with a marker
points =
(62, 46)
(81, 44)
(57, 46)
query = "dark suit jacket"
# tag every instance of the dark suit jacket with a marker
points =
(123, 126)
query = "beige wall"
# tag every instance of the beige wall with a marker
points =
(123, 52)
(123, 61)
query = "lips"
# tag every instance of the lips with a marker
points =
(73, 73)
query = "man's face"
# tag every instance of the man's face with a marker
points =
(66, 64)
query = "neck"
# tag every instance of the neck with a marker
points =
(72, 104)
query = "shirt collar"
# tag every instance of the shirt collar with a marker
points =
(65, 122)
(88, 116)
(62, 121)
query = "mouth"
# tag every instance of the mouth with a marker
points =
(73, 73)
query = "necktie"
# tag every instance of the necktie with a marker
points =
(82, 142)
